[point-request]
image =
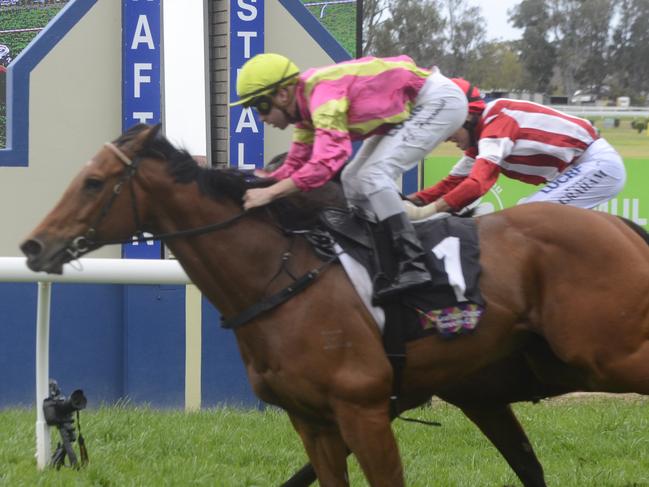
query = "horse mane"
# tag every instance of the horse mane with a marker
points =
(296, 211)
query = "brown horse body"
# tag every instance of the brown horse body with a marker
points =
(567, 294)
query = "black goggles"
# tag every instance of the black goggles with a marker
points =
(263, 104)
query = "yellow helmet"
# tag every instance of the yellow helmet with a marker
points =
(262, 74)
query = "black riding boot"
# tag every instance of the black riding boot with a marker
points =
(412, 271)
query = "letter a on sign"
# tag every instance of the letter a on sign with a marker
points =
(142, 33)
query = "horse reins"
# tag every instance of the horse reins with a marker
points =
(84, 243)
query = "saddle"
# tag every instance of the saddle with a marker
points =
(451, 304)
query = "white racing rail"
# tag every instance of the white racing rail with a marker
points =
(96, 271)
(585, 111)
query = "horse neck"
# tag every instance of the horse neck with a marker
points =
(232, 266)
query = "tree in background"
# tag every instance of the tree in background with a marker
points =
(597, 15)
(412, 27)
(621, 48)
(374, 12)
(581, 36)
(448, 33)
(537, 54)
(628, 57)
(596, 45)
(497, 67)
(464, 34)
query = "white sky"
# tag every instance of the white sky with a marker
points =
(495, 13)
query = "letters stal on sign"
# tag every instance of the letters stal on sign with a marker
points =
(246, 41)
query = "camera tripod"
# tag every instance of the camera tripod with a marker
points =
(64, 447)
(58, 411)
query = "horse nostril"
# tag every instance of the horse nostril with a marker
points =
(31, 248)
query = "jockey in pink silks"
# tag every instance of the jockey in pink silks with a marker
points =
(400, 111)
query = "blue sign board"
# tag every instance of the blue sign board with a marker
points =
(141, 93)
(246, 40)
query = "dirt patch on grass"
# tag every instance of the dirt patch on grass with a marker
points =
(589, 396)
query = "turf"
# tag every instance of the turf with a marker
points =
(587, 442)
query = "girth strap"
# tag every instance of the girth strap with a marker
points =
(276, 299)
(394, 344)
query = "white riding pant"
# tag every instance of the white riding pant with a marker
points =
(369, 180)
(596, 177)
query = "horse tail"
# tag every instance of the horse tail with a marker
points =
(636, 228)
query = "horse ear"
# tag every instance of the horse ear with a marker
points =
(148, 136)
(153, 134)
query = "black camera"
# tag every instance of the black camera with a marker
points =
(58, 409)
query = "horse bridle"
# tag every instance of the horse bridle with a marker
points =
(84, 243)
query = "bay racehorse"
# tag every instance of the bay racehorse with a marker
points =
(567, 293)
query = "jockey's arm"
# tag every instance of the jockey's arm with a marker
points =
(496, 142)
(262, 196)
(327, 137)
(436, 191)
(331, 149)
(458, 173)
(482, 177)
(299, 153)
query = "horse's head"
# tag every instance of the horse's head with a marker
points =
(95, 208)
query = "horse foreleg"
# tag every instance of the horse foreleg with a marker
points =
(368, 434)
(499, 424)
(327, 452)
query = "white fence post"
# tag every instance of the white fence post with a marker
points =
(42, 372)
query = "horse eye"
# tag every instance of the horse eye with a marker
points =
(93, 184)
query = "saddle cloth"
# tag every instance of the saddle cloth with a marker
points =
(450, 305)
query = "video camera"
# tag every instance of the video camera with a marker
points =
(58, 411)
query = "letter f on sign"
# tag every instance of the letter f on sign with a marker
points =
(139, 78)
